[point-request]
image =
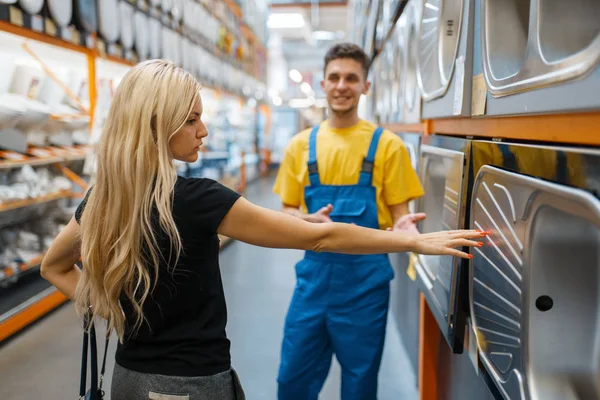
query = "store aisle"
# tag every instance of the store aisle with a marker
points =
(43, 362)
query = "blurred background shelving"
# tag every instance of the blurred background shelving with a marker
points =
(60, 63)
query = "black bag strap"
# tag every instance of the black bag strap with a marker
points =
(89, 336)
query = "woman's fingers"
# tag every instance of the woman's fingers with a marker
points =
(468, 234)
(460, 254)
(465, 242)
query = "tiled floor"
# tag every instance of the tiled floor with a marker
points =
(43, 362)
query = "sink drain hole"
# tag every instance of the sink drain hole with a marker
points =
(544, 303)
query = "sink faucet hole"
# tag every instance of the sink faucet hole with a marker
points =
(544, 303)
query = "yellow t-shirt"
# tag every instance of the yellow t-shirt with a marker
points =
(340, 153)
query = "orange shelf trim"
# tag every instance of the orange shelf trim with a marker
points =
(429, 341)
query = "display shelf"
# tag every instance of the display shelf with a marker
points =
(16, 204)
(23, 32)
(408, 128)
(39, 298)
(11, 272)
(575, 128)
(35, 157)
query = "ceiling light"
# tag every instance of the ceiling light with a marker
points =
(285, 20)
(306, 88)
(277, 101)
(323, 35)
(295, 75)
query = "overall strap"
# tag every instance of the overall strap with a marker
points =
(366, 172)
(313, 169)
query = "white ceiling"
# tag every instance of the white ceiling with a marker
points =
(303, 50)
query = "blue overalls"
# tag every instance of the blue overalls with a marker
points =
(340, 303)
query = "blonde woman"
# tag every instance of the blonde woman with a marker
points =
(150, 251)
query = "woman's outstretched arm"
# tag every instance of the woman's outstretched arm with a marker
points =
(266, 228)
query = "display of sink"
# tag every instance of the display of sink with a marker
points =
(438, 44)
(441, 171)
(528, 44)
(410, 70)
(397, 77)
(535, 286)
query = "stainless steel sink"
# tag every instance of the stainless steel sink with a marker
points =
(535, 286)
(441, 172)
(410, 87)
(438, 44)
(397, 77)
(527, 44)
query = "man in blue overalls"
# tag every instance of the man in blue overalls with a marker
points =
(345, 170)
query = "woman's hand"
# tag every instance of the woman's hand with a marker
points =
(446, 242)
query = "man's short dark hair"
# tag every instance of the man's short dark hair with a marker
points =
(347, 50)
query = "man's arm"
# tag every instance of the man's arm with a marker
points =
(320, 216)
(403, 220)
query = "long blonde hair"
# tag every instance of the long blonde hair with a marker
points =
(134, 184)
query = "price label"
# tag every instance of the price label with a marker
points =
(89, 41)
(411, 270)
(37, 23)
(115, 50)
(101, 47)
(66, 34)
(15, 16)
(50, 27)
(129, 55)
(459, 76)
(165, 19)
(478, 101)
(75, 36)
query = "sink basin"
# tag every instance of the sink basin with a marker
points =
(527, 44)
(579, 22)
(535, 286)
(441, 172)
(438, 43)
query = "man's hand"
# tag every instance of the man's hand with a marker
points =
(408, 223)
(321, 216)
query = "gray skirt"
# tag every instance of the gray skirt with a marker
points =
(131, 385)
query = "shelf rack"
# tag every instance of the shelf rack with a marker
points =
(573, 129)
(49, 298)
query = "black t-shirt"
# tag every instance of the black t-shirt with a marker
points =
(186, 313)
